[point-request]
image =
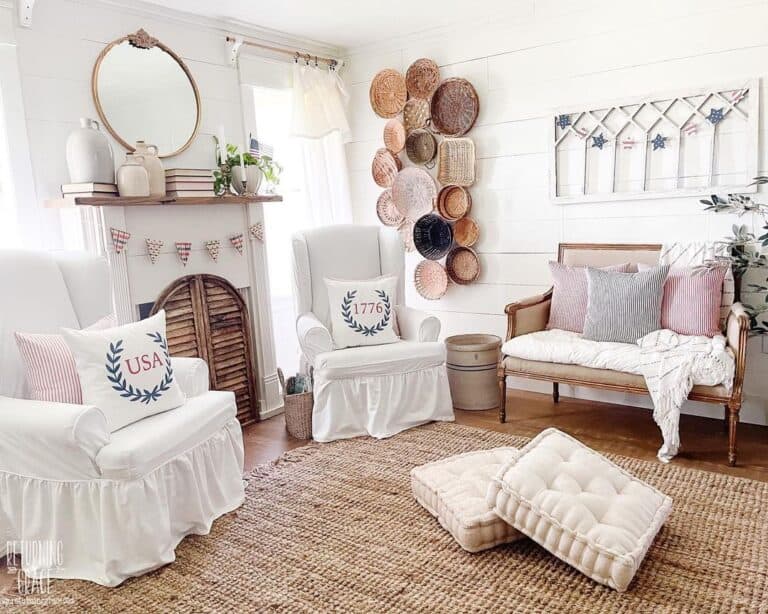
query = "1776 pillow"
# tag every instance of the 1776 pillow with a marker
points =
(126, 371)
(362, 312)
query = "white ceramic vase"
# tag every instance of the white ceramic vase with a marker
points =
(132, 177)
(89, 156)
(154, 167)
(253, 178)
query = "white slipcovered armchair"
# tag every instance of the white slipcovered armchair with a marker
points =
(372, 390)
(114, 505)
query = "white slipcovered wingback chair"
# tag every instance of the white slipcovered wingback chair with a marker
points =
(375, 390)
(114, 505)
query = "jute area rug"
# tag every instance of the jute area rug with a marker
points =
(334, 528)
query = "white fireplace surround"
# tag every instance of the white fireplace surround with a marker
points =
(135, 280)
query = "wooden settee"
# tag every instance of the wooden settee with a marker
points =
(531, 315)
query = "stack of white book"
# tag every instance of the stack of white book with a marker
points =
(189, 182)
(70, 191)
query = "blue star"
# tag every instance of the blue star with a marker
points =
(563, 121)
(715, 115)
(598, 141)
(659, 142)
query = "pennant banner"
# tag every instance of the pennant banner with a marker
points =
(183, 248)
(257, 231)
(213, 248)
(119, 239)
(237, 242)
(153, 249)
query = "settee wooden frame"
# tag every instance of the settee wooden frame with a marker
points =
(737, 329)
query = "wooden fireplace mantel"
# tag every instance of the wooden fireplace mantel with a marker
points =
(134, 201)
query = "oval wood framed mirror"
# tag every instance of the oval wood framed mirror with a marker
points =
(143, 91)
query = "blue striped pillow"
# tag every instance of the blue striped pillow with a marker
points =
(624, 307)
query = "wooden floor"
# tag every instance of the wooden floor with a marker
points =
(609, 428)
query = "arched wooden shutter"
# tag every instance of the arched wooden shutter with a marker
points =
(206, 317)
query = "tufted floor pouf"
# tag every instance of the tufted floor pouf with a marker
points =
(454, 491)
(580, 506)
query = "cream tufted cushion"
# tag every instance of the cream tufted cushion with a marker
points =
(580, 506)
(453, 490)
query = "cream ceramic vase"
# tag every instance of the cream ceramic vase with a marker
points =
(132, 177)
(89, 156)
(154, 167)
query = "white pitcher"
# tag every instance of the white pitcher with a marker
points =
(154, 167)
(132, 177)
(89, 156)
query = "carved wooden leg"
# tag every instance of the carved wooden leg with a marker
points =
(502, 396)
(725, 418)
(556, 392)
(733, 421)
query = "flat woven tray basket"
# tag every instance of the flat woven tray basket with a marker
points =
(388, 93)
(456, 162)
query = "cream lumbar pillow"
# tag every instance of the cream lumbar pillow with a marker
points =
(362, 312)
(126, 371)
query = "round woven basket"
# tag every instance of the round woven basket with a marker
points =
(432, 236)
(386, 210)
(454, 202)
(466, 232)
(454, 107)
(422, 78)
(298, 410)
(388, 93)
(384, 168)
(415, 114)
(394, 135)
(430, 279)
(414, 193)
(406, 235)
(462, 265)
(420, 147)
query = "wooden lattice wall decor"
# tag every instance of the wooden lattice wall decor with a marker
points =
(680, 144)
(206, 317)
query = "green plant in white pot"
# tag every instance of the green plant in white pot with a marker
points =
(253, 170)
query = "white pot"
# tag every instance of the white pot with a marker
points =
(89, 156)
(154, 167)
(253, 179)
(132, 177)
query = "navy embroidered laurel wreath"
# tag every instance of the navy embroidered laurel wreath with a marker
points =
(367, 331)
(128, 391)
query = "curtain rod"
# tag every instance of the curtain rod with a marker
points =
(332, 62)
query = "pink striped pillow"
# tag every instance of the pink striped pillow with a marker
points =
(691, 304)
(51, 368)
(569, 295)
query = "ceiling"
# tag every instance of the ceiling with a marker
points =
(346, 23)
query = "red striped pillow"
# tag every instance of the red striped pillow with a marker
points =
(569, 295)
(51, 368)
(691, 304)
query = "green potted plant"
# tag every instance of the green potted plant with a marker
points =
(246, 166)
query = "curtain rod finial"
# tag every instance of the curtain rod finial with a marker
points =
(234, 43)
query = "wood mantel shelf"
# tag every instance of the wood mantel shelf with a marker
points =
(139, 201)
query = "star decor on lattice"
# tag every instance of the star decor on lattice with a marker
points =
(599, 140)
(659, 142)
(715, 115)
(563, 121)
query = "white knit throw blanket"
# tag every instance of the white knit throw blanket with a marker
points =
(670, 364)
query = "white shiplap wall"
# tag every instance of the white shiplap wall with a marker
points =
(564, 53)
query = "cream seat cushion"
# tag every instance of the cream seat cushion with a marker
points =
(580, 506)
(453, 490)
(376, 360)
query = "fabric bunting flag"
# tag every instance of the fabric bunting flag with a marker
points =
(257, 231)
(213, 248)
(237, 242)
(119, 239)
(183, 248)
(153, 249)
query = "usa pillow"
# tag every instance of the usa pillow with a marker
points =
(362, 311)
(51, 369)
(126, 371)
(569, 295)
